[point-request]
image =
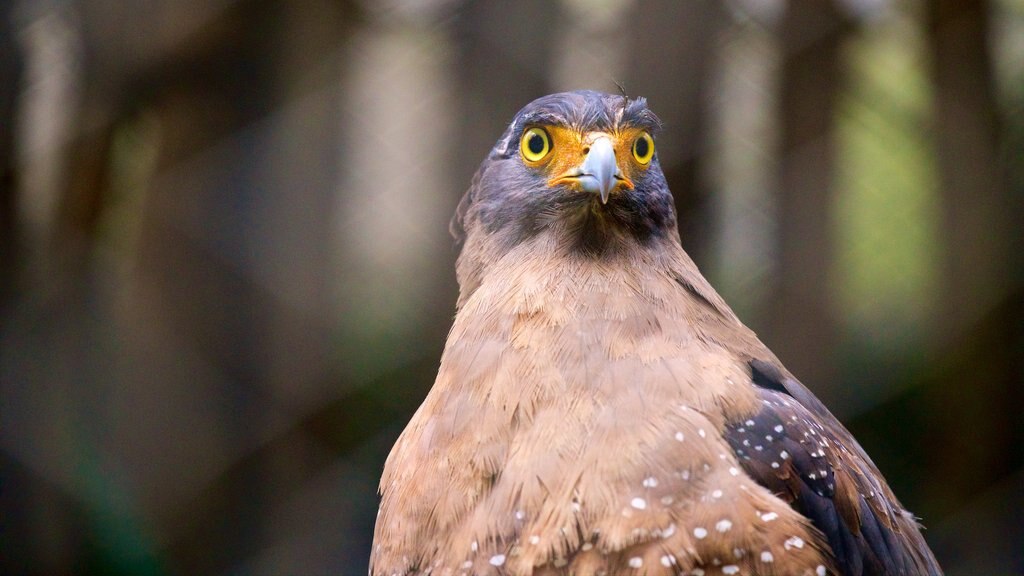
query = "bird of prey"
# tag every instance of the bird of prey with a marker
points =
(599, 409)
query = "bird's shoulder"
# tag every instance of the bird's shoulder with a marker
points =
(794, 446)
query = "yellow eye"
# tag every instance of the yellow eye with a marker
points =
(535, 144)
(643, 148)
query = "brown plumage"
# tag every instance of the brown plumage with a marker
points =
(599, 409)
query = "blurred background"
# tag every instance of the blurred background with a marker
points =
(226, 276)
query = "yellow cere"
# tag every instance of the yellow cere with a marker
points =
(559, 151)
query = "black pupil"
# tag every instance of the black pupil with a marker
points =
(642, 147)
(535, 143)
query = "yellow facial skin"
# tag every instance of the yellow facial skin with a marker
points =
(566, 149)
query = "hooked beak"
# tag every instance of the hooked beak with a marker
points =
(599, 173)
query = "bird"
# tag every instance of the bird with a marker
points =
(599, 409)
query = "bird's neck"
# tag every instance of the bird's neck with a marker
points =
(634, 288)
(590, 245)
(545, 305)
(550, 270)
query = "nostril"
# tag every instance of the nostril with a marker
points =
(586, 149)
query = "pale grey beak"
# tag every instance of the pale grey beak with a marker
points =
(599, 170)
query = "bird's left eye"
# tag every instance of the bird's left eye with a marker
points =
(535, 144)
(643, 148)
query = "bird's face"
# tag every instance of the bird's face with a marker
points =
(587, 162)
(584, 163)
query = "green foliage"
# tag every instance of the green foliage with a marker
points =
(887, 209)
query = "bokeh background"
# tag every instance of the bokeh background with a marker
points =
(226, 276)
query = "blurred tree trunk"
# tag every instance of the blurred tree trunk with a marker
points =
(16, 538)
(680, 95)
(11, 68)
(224, 273)
(976, 391)
(186, 291)
(802, 319)
(501, 51)
(196, 317)
(974, 194)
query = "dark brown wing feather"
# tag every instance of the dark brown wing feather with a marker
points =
(795, 447)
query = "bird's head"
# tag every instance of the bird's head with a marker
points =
(582, 164)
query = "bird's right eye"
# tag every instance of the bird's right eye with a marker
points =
(643, 149)
(535, 145)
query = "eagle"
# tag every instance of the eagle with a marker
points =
(599, 409)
